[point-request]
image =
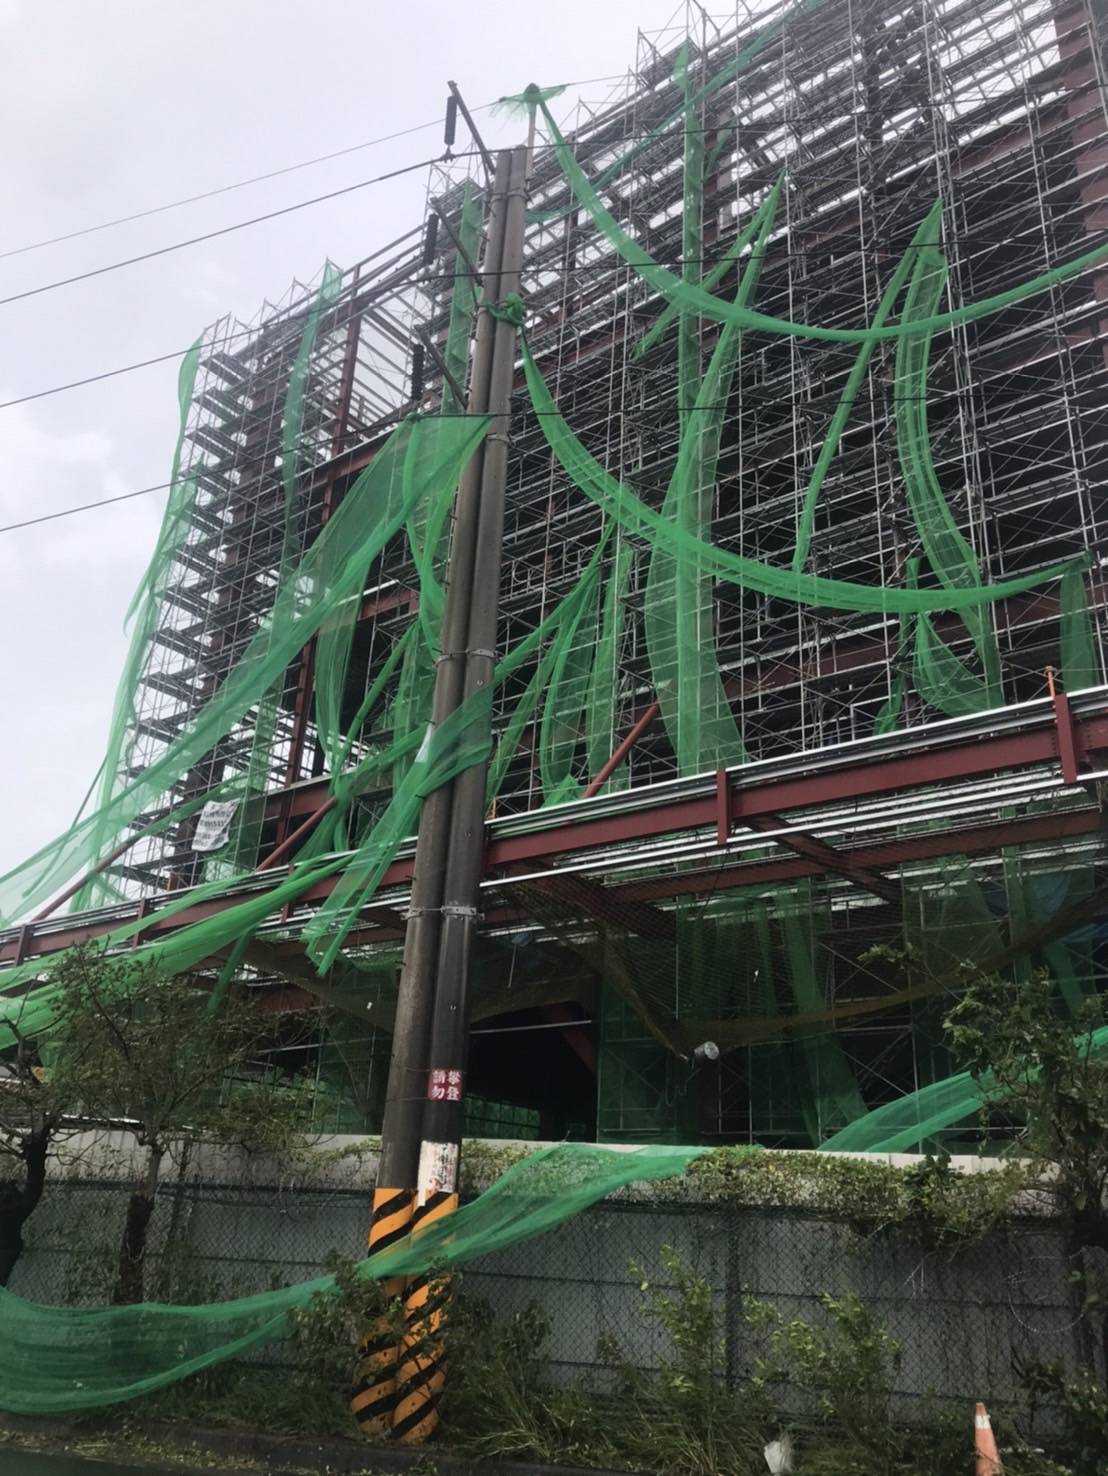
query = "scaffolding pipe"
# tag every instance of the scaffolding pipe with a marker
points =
(610, 765)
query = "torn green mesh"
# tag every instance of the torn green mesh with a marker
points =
(54, 1359)
(142, 615)
(419, 458)
(241, 850)
(626, 508)
(679, 615)
(911, 1121)
(694, 299)
(749, 958)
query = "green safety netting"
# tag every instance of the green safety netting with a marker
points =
(629, 511)
(563, 681)
(241, 852)
(142, 614)
(694, 299)
(910, 1121)
(420, 458)
(59, 1359)
(55, 1359)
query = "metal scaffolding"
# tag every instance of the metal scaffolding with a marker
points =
(869, 111)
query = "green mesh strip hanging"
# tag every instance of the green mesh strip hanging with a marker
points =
(941, 678)
(241, 851)
(54, 1359)
(692, 244)
(1070, 960)
(679, 614)
(552, 629)
(534, 97)
(603, 695)
(421, 454)
(832, 1091)
(142, 613)
(893, 707)
(1080, 664)
(928, 231)
(561, 728)
(912, 1119)
(627, 509)
(692, 298)
(461, 741)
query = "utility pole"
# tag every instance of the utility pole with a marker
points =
(422, 1371)
(396, 1390)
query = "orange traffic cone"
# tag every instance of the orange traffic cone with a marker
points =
(988, 1458)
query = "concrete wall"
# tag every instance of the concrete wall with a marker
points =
(229, 1226)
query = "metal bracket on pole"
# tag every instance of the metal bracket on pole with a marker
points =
(1065, 731)
(486, 157)
(723, 807)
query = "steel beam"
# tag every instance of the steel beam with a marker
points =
(637, 816)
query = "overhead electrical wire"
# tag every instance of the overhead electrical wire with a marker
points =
(116, 266)
(58, 389)
(108, 225)
(66, 512)
(254, 179)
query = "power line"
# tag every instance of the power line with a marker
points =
(608, 265)
(108, 225)
(66, 512)
(258, 179)
(58, 389)
(116, 266)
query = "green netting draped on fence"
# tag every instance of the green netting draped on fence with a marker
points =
(54, 1359)
(657, 978)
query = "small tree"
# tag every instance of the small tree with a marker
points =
(147, 1051)
(1039, 1067)
(31, 1112)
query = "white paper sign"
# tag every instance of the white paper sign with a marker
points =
(214, 825)
(438, 1169)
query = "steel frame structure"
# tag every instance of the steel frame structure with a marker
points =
(871, 109)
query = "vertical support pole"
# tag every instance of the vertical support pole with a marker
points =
(1065, 733)
(1067, 737)
(306, 673)
(723, 807)
(422, 1371)
(375, 1389)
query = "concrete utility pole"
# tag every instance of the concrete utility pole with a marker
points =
(398, 1386)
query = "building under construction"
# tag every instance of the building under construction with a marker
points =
(751, 814)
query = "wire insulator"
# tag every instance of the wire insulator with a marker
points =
(430, 240)
(417, 372)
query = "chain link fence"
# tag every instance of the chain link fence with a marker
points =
(966, 1319)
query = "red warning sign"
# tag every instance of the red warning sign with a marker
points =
(444, 1085)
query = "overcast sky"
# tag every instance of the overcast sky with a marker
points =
(109, 108)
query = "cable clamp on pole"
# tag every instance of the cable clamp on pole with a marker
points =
(481, 651)
(421, 911)
(457, 909)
